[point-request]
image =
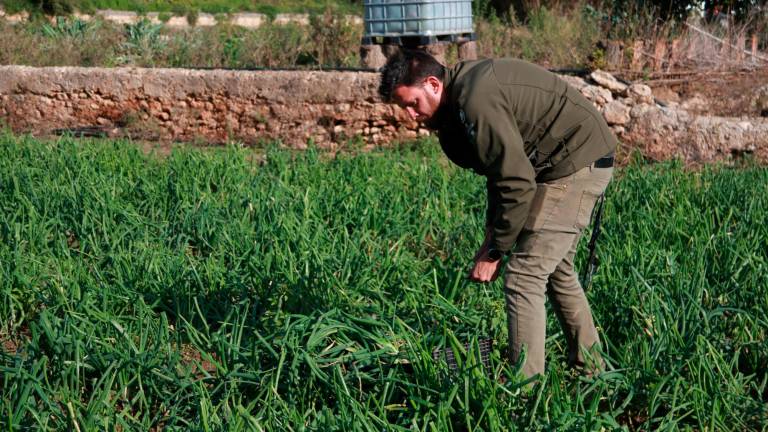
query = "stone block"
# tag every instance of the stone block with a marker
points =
(606, 80)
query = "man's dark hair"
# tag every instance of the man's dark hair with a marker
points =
(407, 68)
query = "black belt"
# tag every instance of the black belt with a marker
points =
(604, 162)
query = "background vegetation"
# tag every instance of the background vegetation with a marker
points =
(663, 9)
(552, 33)
(563, 38)
(327, 42)
(227, 289)
(504, 9)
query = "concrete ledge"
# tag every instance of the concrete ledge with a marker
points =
(205, 20)
(242, 19)
(249, 20)
(298, 19)
(119, 17)
(15, 18)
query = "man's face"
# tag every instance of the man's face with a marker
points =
(420, 101)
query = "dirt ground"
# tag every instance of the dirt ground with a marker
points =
(726, 94)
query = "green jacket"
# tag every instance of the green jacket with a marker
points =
(517, 124)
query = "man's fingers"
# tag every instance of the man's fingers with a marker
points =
(477, 276)
(485, 271)
(474, 274)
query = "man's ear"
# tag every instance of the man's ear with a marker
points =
(433, 84)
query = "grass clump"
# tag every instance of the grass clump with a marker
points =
(218, 289)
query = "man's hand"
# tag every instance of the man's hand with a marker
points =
(485, 269)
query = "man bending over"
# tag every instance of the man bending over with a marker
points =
(547, 155)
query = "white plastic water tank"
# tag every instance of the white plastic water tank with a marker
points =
(393, 18)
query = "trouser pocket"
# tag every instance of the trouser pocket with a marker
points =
(544, 205)
(588, 200)
(593, 186)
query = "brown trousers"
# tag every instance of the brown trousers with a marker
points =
(541, 264)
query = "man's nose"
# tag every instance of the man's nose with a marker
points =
(412, 112)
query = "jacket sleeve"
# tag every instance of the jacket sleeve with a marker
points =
(510, 176)
(493, 203)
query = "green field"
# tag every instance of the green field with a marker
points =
(239, 290)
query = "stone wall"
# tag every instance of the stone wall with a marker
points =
(326, 107)
(667, 130)
(192, 105)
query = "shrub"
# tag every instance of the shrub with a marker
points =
(192, 17)
(334, 42)
(554, 38)
(56, 7)
(66, 27)
(142, 42)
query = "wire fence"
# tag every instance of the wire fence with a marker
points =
(692, 52)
